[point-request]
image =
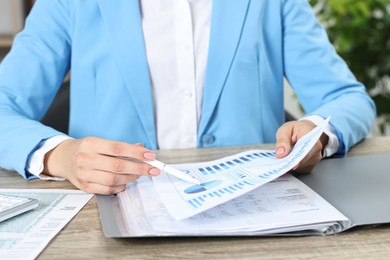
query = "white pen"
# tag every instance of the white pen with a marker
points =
(172, 171)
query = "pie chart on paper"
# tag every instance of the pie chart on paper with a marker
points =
(202, 187)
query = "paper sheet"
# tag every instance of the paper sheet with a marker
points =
(282, 205)
(228, 178)
(26, 235)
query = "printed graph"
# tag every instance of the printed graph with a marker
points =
(229, 177)
(201, 199)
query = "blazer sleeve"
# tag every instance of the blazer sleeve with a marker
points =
(321, 79)
(30, 76)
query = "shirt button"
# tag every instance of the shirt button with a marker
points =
(187, 47)
(208, 139)
(189, 94)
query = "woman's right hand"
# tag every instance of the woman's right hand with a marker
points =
(99, 166)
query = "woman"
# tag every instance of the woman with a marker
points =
(149, 75)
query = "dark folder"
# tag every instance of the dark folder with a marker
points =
(359, 187)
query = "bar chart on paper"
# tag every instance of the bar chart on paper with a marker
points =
(199, 201)
(228, 178)
(241, 173)
(235, 172)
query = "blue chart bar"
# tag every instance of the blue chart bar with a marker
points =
(269, 154)
(238, 161)
(216, 193)
(210, 170)
(248, 183)
(230, 163)
(217, 168)
(264, 154)
(227, 190)
(193, 204)
(245, 159)
(261, 155)
(265, 175)
(238, 186)
(250, 156)
(197, 202)
(200, 200)
(299, 153)
(257, 155)
(224, 166)
(202, 171)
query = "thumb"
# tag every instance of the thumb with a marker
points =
(284, 140)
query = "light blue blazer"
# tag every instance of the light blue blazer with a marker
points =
(254, 44)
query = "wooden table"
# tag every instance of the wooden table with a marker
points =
(83, 236)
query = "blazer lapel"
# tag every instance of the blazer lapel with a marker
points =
(123, 20)
(227, 20)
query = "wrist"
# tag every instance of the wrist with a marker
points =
(324, 138)
(52, 160)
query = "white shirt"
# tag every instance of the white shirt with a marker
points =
(176, 34)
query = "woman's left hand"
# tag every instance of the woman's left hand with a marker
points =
(287, 136)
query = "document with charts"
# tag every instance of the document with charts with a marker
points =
(228, 178)
(308, 204)
(244, 194)
(25, 236)
(285, 205)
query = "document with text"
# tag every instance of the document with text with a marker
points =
(228, 178)
(26, 235)
(284, 205)
(249, 193)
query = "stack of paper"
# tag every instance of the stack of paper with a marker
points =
(244, 194)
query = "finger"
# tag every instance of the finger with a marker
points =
(116, 165)
(106, 178)
(301, 128)
(96, 188)
(117, 149)
(284, 140)
(314, 156)
(310, 160)
(101, 189)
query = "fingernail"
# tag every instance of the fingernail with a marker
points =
(280, 151)
(154, 172)
(149, 155)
